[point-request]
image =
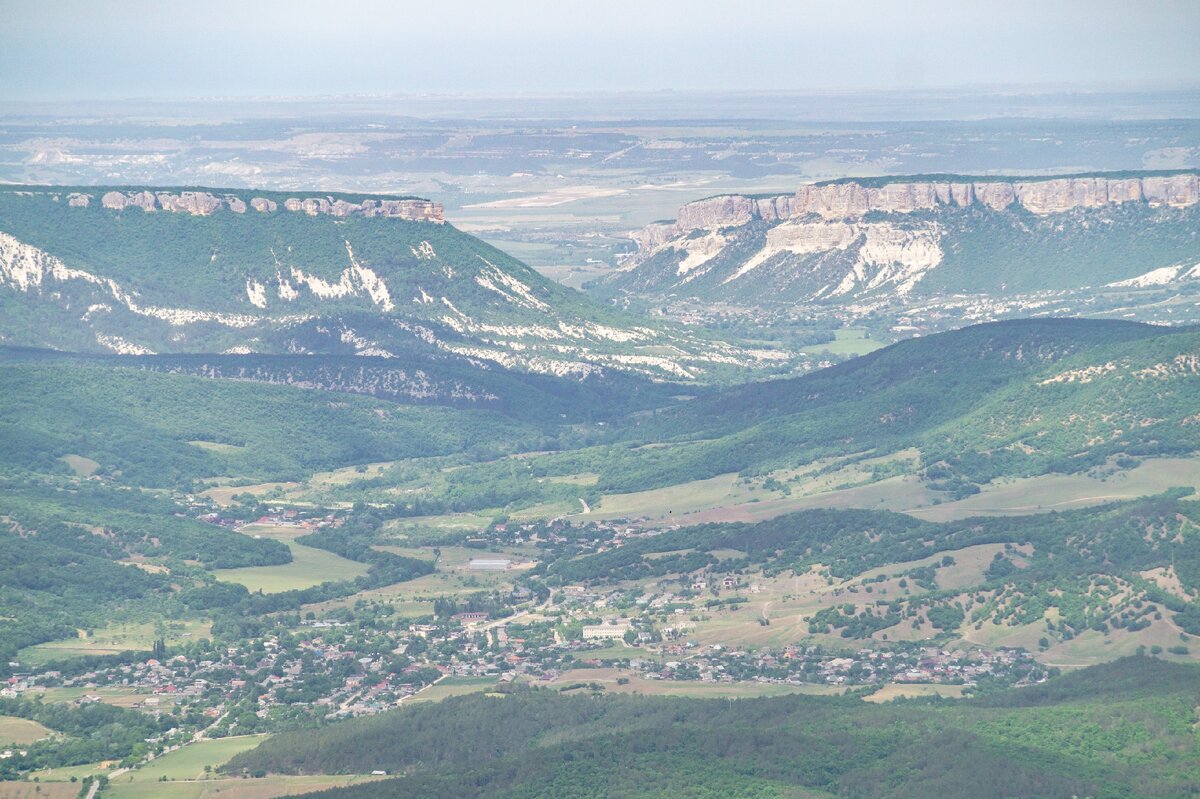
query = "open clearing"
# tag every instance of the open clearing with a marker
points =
(113, 639)
(231, 788)
(188, 762)
(847, 341)
(120, 697)
(81, 466)
(32, 790)
(453, 686)
(1065, 491)
(309, 567)
(896, 690)
(627, 682)
(65, 773)
(223, 495)
(726, 498)
(15, 730)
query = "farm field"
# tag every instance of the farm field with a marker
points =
(1066, 491)
(309, 567)
(697, 495)
(232, 787)
(188, 762)
(39, 790)
(64, 774)
(726, 499)
(633, 684)
(893, 691)
(120, 697)
(453, 686)
(112, 639)
(223, 494)
(15, 730)
(426, 529)
(848, 341)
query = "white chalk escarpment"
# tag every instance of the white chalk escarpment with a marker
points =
(204, 203)
(139, 271)
(849, 241)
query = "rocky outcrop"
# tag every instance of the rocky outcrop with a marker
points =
(201, 203)
(196, 203)
(858, 242)
(851, 200)
(119, 201)
(77, 200)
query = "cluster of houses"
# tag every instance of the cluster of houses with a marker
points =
(800, 665)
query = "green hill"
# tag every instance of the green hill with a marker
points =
(1121, 729)
(1006, 398)
(205, 271)
(148, 428)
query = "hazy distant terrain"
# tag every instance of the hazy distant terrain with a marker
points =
(563, 179)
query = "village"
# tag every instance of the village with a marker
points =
(502, 625)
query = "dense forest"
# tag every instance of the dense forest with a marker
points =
(1119, 730)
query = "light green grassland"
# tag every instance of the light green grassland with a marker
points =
(453, 686)
(65, 773)
(893, 691)
(726, 498)
(615, 680)
(14, 730)
(81, 466)
(309, 567)
(188, 762)
(121, 697)
(232, 788)
(1066, 491)
(847, 341)
(725, 489)
(112, 639)
(39, 790)
(212, 446)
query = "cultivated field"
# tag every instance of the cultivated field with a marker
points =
(14, 730)
(627, 682)
(893, 691)
(309, 567)
(41, 790)
(231, 788)
(112, 639)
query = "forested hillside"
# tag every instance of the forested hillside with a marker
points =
(158, 429)
(1026, 397)
(1123, 729)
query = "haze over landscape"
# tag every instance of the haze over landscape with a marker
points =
(599, 400)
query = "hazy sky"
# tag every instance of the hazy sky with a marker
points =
(101, 49)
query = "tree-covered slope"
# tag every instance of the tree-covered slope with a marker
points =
(986, 401)
(159, 429)
(1122, 729)
(1021, 397)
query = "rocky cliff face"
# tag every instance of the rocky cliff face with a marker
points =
(137, 272)
(202, 203)
(851, 200)
(820, 245)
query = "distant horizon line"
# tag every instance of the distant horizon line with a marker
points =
(984, 89)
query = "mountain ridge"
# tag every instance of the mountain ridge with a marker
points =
(335, 274)
(887, 242)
